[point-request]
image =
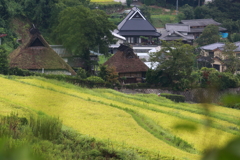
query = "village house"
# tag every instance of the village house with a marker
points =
(188, 30)
(137, 29)
(198, 25)
(176, 31)
(214, 51)
(36, 55)
(139, 33)
(128, 65)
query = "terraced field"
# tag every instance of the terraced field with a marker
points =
(153, 126)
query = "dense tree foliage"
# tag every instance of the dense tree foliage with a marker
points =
(232, 62)
(81, 29)
(176, 62)
(187, 11)
(209, 35)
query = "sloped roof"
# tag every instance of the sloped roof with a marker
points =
(177, 27)
(136, 22)
(126, 61)
(200, 30)
(175, 35)
(199, 22)
(238, 46)
(35, 54)
(212, 46)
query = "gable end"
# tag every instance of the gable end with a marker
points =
(37, 43)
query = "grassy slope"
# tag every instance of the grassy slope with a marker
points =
(92, 112)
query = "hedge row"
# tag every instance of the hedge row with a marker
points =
(174, 97)
(90, 82)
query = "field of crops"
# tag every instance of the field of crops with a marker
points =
(153, 126)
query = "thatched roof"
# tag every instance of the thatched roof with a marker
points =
(126, 61)
(35, 54)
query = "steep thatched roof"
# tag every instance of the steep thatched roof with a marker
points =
(35, 54)
(126, 61)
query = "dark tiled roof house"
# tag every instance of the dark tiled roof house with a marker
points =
(35, 54)
(128, 64)
(137, 29)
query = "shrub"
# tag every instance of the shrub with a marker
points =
(218, 80)
(95, 79)
(231, 100)
(81, 73)
(19, 72)
(108, 73)
(174, 97)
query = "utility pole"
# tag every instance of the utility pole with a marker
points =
(177, 7)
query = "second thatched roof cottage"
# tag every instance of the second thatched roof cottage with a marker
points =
(35, 55)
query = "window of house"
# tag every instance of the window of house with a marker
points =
(211, 54)
(216, 66)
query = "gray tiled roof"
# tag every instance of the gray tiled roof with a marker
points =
(220, 46)
(212, 46)
(199, 22)
(177, 27)
(174, 35)
(200, 30)
(140, 33)
(137, 24)
(237, 44)
(125, 19)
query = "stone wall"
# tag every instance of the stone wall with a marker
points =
(195, 95)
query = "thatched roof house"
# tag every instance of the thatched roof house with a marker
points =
(128, 64)
(35, 55)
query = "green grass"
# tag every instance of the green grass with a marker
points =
(159, 21)
(103, 59)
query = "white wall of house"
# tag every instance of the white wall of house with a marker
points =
(122, 1)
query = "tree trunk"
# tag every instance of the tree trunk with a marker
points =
(86, 59)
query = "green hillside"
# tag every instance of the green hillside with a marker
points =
(150, 125)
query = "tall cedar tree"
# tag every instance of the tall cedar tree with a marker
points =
(3, 61)
(209, 35)
(81, 29)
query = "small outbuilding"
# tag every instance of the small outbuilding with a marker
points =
(36, 55)
(128, 65)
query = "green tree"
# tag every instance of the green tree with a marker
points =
(81, 29)
(4, 64)
(129, 2)
(109, 74)
(176, 62)
(209, 35)
(232, 62)
(187, 11)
